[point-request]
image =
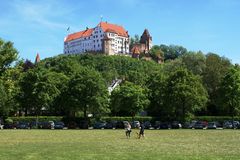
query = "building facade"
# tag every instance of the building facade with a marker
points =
(107, 38)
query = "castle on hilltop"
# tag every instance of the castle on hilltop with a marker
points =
(108, 38)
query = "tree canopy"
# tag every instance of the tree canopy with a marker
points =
(187, 83)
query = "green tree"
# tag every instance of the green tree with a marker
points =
(87, 92)
(128, 99)
(172, 51)
(230, 91)
(8, 54)
(216, 68)
(39, 88)
(3, 100)
(134, 40)
(157, 95)
(185, 94)
(156, 53)
(194, 62)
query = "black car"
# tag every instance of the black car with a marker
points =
(200, 125)
(111, 125)
(119, 125)
(23, 125)
(47, 125)
(148, 125)
(9, 126)
(213, 125)
(99, 125)
(176, 125)
(165, 125)
(157, 125)
(59, 125)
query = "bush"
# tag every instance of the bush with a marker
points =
(8, 121)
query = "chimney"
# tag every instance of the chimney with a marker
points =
(87, 28)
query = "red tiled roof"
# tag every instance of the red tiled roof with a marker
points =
(135, 50)
(81, 34)
(107, 27)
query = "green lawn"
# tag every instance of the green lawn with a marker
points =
(112, 145)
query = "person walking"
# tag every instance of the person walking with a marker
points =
(141, 132)
(128, 130)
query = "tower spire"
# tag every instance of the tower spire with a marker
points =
(37, 59)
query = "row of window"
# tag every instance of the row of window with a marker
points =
(96, 32)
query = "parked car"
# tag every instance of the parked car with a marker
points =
(189, 125)
(47, 125)
(120, 125)
(23, 125)
(59, 125)
(236, 124)
(135, 124)
(111, 125)
(148, 125)
(157, 124)
(165, 125)
(213, 125)
(9, 126)
(99, 125)
(176, 125)
(227, 125)
(200, 125)
(230, 124)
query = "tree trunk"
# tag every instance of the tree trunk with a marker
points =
(85, 112)
(183, 111)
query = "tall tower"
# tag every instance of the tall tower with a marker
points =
(37, 59)
(106, 46)
(146, 39)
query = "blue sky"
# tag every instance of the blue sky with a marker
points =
(40, 26)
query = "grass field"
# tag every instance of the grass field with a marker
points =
(112, 145)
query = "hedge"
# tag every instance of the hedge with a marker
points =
(216, 118)
(137, 118)
(34, 118)
(109, 119)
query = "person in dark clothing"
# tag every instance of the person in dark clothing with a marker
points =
(141, 133)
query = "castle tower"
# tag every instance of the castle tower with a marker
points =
(146, 39)
(106, 46)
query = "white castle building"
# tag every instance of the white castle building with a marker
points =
(105, 37)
